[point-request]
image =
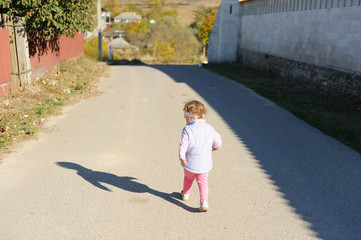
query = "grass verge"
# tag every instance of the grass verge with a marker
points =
(22, 114)
(336, 116)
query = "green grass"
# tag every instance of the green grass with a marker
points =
(335, 115)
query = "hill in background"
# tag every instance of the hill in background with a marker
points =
(186, 8)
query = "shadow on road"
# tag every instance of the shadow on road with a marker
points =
(129, 184)
(318, 176)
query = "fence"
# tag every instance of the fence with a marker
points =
(22, 54)
(277, 6)
(50, 53)
(5, 67)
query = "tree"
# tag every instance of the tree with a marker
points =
(136, 29)
(203, 24)
(172, 41)
(206, 27)
(167, 40)
(156, 12)
(113, 7)
(52, 18)
(155, 3)
(131, 7)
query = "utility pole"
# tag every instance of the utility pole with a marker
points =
(99, 13)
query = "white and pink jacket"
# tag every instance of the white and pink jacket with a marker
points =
(198, 139)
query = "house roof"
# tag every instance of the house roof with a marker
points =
(128, 16)
(120, 43)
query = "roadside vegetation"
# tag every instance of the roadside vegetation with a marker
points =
(336, 116)
(50, 20)
(22, 114)
(166, 40)
(185, 8)
(161, 36)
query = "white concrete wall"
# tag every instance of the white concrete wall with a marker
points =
(322, 32)
(224, 39)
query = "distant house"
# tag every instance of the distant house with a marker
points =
(127, 17)
(106, 17)
(120, 43)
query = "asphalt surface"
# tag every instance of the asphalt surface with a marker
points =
(108, 168)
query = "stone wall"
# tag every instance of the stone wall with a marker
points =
(326, 80)
(314, 40)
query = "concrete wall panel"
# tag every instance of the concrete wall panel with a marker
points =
(327, 36)
(299, 38)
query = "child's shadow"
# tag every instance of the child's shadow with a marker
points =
(125, 183)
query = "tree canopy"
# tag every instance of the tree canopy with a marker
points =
(203, 24)
(52, 18)
(112, 6)
(171, 40)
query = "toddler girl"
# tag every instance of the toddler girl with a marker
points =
(198, 141)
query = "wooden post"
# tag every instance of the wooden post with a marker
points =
(15, 78)
(22, 48)
(19, 51)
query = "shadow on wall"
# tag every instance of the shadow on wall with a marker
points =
(129, 184)
(40, 46)
(318, 175)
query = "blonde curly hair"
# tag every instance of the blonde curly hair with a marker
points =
(195, 108)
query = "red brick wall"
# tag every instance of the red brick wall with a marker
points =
(5, 62)
(66, 48)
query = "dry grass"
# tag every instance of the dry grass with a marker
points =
(22, 114)
(187, 9)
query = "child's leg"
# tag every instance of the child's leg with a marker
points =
(202, 180)
(188, 181)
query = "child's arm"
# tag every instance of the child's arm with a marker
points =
(183, 162)
(183, 146)
(217, 142)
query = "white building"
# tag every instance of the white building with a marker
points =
(127, 17)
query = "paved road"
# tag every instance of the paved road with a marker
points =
(107, 168)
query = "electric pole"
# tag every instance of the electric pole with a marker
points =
(99, 15)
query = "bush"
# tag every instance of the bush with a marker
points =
(91, 48)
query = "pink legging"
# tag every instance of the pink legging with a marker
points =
(202, 180)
